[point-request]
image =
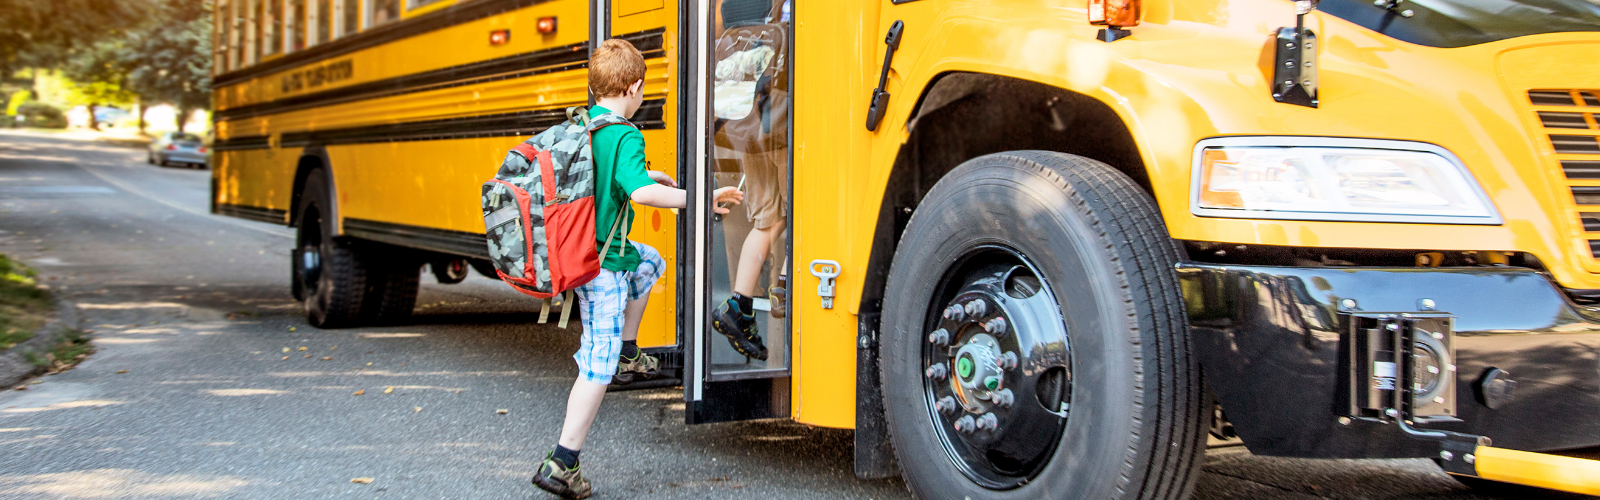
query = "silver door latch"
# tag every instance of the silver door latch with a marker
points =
(825, 270)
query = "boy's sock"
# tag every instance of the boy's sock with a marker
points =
(630, 349)
(567, 457)
(746, 304)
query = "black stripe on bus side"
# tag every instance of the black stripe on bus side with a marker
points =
(426, 238)
(238, 143)
(564, 58)
(461, 13)
(519, 124)
(259, 214)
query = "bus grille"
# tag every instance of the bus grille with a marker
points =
(1572, 120)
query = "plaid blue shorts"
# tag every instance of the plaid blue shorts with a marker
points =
(602, 302)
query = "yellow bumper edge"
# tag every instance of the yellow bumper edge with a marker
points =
(1542, 470)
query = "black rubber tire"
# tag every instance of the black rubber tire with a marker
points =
(442, 273)
(1137, 427)
(150, 158)
(336, 299)
(391, 290)
(484, 267)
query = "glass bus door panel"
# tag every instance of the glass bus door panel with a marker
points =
(750, 103)
(738, 114)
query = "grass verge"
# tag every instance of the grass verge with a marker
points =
(24, 306)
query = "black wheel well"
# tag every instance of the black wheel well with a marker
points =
(966, 115)
(312, 159)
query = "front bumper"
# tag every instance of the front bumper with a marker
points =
(1274, 342)
(181, 156)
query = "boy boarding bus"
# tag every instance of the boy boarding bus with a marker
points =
(1014, 233)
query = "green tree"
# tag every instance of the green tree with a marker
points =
(166, 59)
(45, 33)
(171, 60)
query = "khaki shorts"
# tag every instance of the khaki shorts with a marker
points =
(766, 186)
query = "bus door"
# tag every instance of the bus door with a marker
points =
(736, 132)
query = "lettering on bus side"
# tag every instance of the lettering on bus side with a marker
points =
(318, 76)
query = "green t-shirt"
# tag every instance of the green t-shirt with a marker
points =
(618, 171)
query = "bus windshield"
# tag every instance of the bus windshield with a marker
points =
(1459, 23)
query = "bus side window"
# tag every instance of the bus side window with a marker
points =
(382, 11)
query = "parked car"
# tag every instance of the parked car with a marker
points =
(179, 147)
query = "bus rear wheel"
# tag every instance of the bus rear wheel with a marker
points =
(391, 289)
(330, 276)
(1033, 339)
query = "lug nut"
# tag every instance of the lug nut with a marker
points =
(988, 422)
(976, 308)
(946, 405)
(1007, 361)
(1003, 398)
(966, 424)
(991, 383)
(996, 326)
(955, 313)
(939, 337)
(937, 371)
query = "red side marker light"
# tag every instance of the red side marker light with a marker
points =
(172, 147)
(547, 25)
(499, 37)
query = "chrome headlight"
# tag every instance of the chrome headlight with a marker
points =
(1313, 178)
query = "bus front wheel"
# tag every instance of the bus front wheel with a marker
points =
(330, 276)
(1034, 340)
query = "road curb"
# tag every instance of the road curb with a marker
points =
(14, 363)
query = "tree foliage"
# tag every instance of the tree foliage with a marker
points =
(166, 59)
(46, 33)
(171, 62)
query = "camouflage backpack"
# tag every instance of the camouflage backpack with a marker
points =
(539, 210)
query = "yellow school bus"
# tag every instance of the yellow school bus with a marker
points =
(1026, 249)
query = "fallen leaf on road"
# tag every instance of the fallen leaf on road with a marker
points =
(22, 388)
(362, 480)
(291, 328)
(285, 349)
(332, 348)
(358, 393)
(415, 409)
(327, 358)
(122, 371)
(502, 411)
(308, 356)
(390, 390)
(302, 348)
(369, 363)
(285, 358)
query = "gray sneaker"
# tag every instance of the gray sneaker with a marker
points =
(642, 367)
(556, 478)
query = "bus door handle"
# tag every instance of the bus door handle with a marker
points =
(880, 97)
(826, 271)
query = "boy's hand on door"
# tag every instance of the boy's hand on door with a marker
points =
(662, 178)
(728, 194)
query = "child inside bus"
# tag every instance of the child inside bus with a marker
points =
(756, 136)
(614, 302)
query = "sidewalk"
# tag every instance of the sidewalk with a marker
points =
(126, 137)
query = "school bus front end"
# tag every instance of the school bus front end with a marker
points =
(1372, 227)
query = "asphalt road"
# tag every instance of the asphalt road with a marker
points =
(191, 392)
